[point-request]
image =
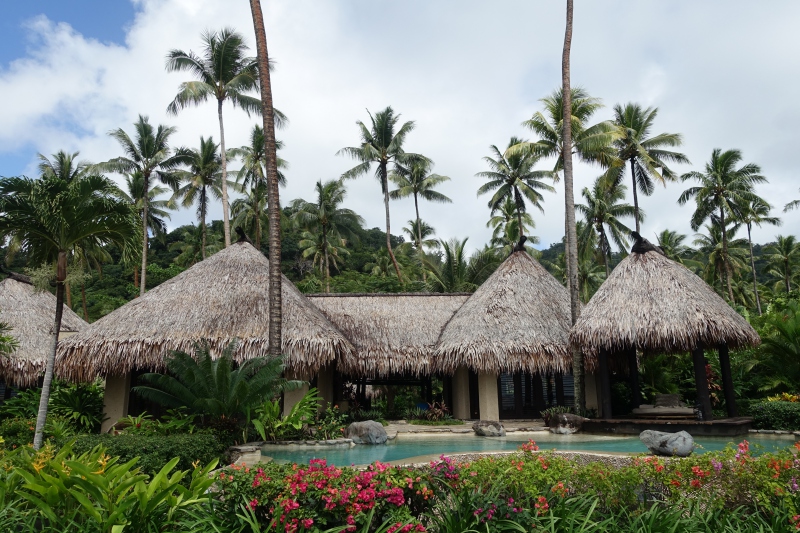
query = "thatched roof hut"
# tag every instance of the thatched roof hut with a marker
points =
(517, 320)
(391, 333)
(654, 304)
(220, 299)
(30, 313)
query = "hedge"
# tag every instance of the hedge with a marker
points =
(776, 415)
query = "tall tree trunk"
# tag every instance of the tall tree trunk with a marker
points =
(786, 277)
(569, 206)
(136, 277)
(44, 400)
(69, 295)
(226, 223)
(203, 222)
(725, 260)
(258, 231)
(83, 298)
(327, 264)
(606, 249)
(419, 240)
(143, 280)
(635, 197)
(753, 268)
(273, 198)
(519, 222)
(385, 186)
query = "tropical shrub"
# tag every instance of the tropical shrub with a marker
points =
(81, 404)
(215, 389)
(92, 491)
(778, 415)
(155, 450)
(270, 423)
(548, 413)
(330, 423)
(18, 432)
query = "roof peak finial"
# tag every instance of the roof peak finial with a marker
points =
(642, 245)
(520, 246)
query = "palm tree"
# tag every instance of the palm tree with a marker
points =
(268, 117)
(720, 265)
(756, 211)
(723, 189)
(671, 243)
(254, 161)
(382, 144)
(457, 273)
(250, 212)
(417, 180)
(782, 257)
(148, 153)
(505, 224)
(190, 247)
(645, 154)
(49, 217)
(203, 179)
(63, 166)
(418, 232)
(223, 72)
(326, 224)
(602, 210)
(511, 176)
(794, 204)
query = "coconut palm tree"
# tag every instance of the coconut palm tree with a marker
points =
(646, 155)
(505, 225)
(671, 243)
(254, 161)
(190, 246)
(511, 176)
(382, 144)
(149, 154)
(63, 166)
(724, 258)
(723, 188)
(223, 72)
(418, 181)
(47, 218)
(203, 179)
(250, 212)
(603, 209)
(459, 273)
(326, 224)
(157, 210)
(419, 231)
(269, 117)
(782, 257)
(794, 204)
(755, 211)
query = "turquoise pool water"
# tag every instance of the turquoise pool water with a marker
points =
(406, 446)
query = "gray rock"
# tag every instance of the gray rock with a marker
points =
(368, 432)
(489, 428)
(566, 423)
(679, 444)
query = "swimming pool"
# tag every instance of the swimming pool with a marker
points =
(406, 446)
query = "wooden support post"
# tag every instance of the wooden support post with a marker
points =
(727, 381)
(559, 379)
(701, 382)
(633, 371)
(605, 385)
(549, 390)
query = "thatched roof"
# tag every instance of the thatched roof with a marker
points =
(517, 320)
(391, 333)
(216, 301)
(657, 305)
(30, 313)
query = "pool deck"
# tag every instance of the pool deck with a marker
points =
(721, 427)
(512, 426)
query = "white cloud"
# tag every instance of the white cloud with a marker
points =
(468, 72)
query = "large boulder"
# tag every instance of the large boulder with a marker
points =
(367, 432)
(489, 428)
(679, 444)
(566, 423)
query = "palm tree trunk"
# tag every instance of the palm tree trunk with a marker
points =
(569, 206)
(273, 195)
(786, 274)
(725, 260)
(83, 298)
(143, 280)
(327, 267)
(385, 186)
(753, 268)
(258, 231)
(69, 295)
(226, 223)
(606, 249)
(635, 197)
(203, 222)
(136, 277)
(519, 222)
(44, 400)
(419, 240)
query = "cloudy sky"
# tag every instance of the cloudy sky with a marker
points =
(468, 73)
